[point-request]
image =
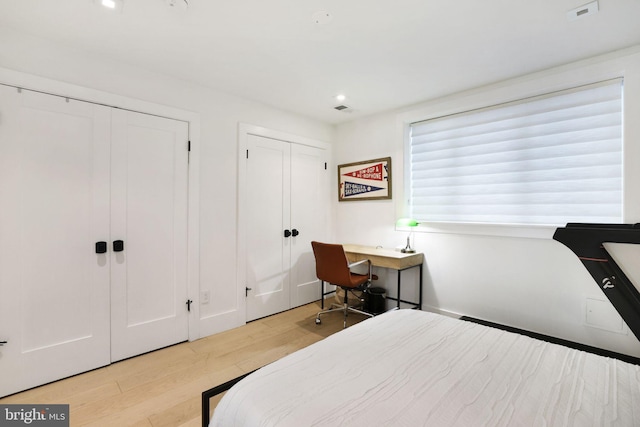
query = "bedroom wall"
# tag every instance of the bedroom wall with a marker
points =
(517, 276)
(219, 115)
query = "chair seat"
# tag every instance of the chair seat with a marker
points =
(358, 280)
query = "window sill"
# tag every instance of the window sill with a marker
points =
(500, 230)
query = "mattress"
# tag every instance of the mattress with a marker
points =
(414, 368)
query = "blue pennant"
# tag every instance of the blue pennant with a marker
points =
(353, 189)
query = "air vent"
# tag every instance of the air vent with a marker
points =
(582, 11)
(341, 107)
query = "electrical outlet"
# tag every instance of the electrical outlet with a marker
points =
(204, 297)
(602, 315)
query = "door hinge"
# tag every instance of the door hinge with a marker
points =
(325, 165)
(189, 302)
(247, 154)
(189, 146)
(246, 291)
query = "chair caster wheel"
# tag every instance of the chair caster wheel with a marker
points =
(318, 321)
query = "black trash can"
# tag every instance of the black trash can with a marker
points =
(374, 300)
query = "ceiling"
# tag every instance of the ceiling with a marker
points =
(297, 55)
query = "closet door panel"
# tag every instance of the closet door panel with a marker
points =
(54, 288)
(268, 181)
(149, 215)
(309, 210)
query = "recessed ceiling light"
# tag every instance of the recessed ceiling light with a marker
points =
(321, 17)
(180, 4)
(115, 5)
(340, 97)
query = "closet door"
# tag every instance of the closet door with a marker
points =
(268, 202)
(309, 217)
(148, 247)
(287, 203)
(54, 198)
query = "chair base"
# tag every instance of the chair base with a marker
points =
(345, 308)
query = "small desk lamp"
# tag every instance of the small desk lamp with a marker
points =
(407, 222)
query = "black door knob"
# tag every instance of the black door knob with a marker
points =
(101, 247)
(118, 246)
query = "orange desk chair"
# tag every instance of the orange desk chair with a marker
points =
(332, 266)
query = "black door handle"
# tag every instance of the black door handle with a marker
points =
(118, 246)
(295, 232)
(101, 247)
(287, 233)
(2, 343)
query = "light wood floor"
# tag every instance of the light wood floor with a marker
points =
(163, 388)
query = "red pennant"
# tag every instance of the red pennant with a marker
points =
(373, 172)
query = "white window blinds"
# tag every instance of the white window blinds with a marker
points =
(552, 159)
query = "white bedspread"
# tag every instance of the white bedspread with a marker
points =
(413, 368)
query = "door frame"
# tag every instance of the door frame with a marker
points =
(67, 90)
(244, 130)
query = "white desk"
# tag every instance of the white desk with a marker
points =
(389, 258)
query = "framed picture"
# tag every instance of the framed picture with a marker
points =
(368, 180)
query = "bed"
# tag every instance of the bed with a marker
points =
(415, 368)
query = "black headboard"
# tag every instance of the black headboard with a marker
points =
(587, 242)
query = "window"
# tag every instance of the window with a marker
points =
(547, 160)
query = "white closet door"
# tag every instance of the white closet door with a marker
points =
(309, 217)
(149, 215)
(54, 192)
(268, 182)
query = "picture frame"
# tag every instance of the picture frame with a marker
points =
(366, 180)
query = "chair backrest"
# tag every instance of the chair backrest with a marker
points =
(331, 263)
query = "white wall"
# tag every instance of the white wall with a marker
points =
(495, 273)
(217, 115)
(534, 284)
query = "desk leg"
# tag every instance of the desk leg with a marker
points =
(399, 272)
(418, 304)
(420, 290)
